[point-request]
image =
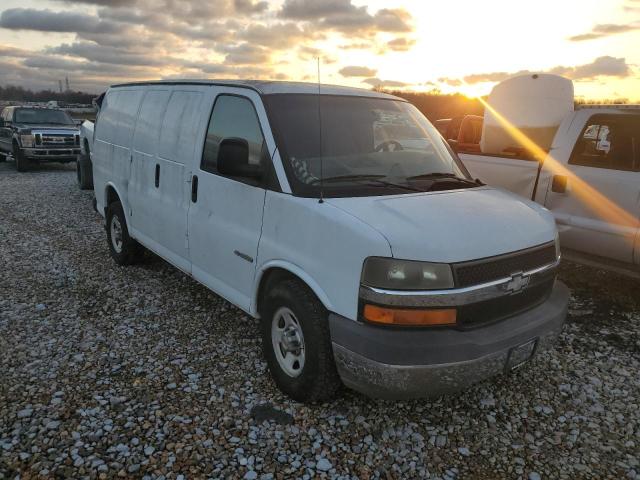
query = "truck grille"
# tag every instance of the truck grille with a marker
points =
(476, 272)
(496, 309)
(58, 140)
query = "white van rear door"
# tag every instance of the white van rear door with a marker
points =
(225, 217)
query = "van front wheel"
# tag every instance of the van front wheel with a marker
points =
(124, 249)
(297, 343)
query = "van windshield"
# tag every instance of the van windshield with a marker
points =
(370, 146)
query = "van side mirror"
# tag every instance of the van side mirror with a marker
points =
(453, 144)
(233, 159)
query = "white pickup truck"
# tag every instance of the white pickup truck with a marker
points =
(84, 168)
(589, 180)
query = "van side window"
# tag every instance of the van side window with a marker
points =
(232, 117)
(609, 141)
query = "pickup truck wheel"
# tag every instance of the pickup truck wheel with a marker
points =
(124, 249)
(22, 163)
(83, 173)
(297, 344)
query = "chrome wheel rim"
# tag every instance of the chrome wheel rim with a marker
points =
(116, 234)
(288, 341)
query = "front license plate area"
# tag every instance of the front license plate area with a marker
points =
(521, 354)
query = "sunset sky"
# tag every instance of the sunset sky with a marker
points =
(451, 45)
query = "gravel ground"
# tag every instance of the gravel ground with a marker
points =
(141, 372)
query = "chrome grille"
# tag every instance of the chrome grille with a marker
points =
(486, 270)
(58, 140)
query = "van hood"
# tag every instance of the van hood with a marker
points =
(453, 226)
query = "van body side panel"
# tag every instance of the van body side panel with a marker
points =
(113, 143)
(164, 144)
(144, 222)
(323, 241)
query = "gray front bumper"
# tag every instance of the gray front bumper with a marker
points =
(412, 363)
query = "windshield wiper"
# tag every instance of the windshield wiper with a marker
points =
(376, 179)
(446, 176)
(340, 178)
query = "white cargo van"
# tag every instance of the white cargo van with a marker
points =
(342, 221)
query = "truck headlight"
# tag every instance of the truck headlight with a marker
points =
(27, 141)
(392, 274)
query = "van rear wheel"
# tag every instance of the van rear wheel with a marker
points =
(297, 344)
(124, 249)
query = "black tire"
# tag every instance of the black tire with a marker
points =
(22, 164)
(318, 379)
(84, 173)
(124, 250)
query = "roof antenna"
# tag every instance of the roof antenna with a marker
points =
(320, 138)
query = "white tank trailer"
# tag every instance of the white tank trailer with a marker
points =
(534, 103)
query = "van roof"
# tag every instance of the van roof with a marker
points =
(269, 87)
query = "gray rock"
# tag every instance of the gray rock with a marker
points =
(324, 465)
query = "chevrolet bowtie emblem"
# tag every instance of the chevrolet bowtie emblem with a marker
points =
(518, 282)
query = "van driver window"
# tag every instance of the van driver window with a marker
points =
(611, 142)
(232, 117)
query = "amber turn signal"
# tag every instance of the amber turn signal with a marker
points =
(409, 317)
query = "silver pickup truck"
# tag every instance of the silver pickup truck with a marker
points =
(36, 134)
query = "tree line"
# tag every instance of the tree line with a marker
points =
(20, 94)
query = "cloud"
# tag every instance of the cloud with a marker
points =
(99, 53)
(355, 71)
(278, 36)
(307, 53)
(343, 16)
(601, 67)
(605, 30)
(632, 6)
(109, 3)
(8, 51)
(356, 46)
(114, 40)
(605, 66)
(249, 7)
(401, 44)
(49, 21)
(246, 54)
(376, 82)
(393, 20)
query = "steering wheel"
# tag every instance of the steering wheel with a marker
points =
(385, 146)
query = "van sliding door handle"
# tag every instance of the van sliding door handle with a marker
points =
(194, 189)
(157, 175)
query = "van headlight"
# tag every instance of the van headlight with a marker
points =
(392, 274)
(27, 141)
(557, 242)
